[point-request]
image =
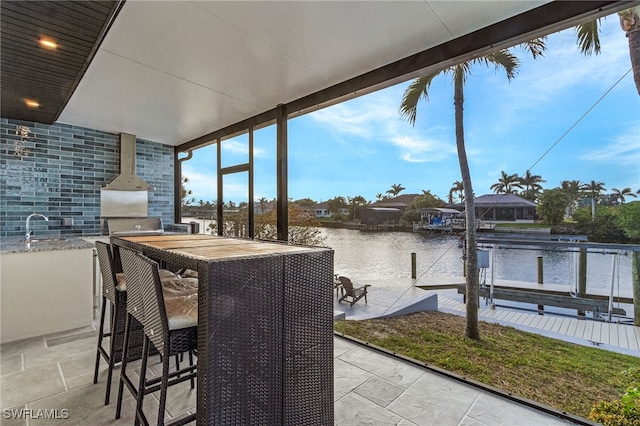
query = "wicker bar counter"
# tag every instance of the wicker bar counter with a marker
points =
(265, 327)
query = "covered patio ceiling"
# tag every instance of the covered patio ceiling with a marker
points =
(176, 71)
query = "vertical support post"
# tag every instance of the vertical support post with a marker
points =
(177, 182)
(251, 206)
(282, 214)
(613, 280)
(177, 187)
(635, 283)
(493, 259)
(540, 281)
(219, 205)
(582, 275)
(413, 266)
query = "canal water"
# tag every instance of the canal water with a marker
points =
(388, 255)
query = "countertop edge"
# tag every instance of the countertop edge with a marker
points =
(15, 245)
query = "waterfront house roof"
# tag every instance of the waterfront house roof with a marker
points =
(175, 72)
(500, 200)
(400, 201)
(442, 210)
(381, 209)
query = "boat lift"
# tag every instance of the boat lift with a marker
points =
(486, 259)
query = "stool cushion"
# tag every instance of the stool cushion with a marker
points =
(179, 286)
(121, 284)
(182, 311)
(189, 273)
(164, 276)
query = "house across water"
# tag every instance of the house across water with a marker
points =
(503, 208)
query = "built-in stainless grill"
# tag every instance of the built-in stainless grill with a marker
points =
(130, 226)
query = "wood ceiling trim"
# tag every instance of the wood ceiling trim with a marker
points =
(48, 76)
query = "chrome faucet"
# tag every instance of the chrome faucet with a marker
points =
(27, 236)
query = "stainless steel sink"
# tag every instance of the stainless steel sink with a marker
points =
(44, 240)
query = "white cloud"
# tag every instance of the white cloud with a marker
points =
(563, 73)
(376, 118)
(202, 185)
(360, 117)
(419, 150)
(241, 148)
(624, 149)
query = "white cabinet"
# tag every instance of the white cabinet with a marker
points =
(44, 292)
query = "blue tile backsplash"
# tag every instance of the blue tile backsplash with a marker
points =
(58, 170)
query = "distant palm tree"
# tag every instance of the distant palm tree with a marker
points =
(589, 40)
(531, 184)
(185, 193)
(263, 204)
(458, 188)
(507, 184)
(379, 196)
(396, 189)
(571, 189)
(619, 194)
(419, 89)
(594, 189)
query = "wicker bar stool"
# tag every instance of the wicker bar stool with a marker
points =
(113, 293)
(170, 327)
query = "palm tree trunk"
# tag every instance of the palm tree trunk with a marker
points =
(472, 331)
(633, 34)
(593, 207)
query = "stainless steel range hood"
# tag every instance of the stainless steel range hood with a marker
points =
(125, 195)
(127, 180)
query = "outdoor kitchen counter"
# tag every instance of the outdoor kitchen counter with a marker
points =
(16, 245)
(265, 327)
(47, 287)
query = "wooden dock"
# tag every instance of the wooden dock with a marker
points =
(387, 294)
(615, 335)
(438, 283)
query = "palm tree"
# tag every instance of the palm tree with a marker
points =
(571, 188)
(619, 194)
(589, 40)
(185, 193)
(531, 184)
(507, 184)
(594, 189)
(456, 187)
(418, 89)
(395, 189)
(379, 196)
(263, 203)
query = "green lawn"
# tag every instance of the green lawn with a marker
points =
(566, 376)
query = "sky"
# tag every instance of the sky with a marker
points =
(362, 146)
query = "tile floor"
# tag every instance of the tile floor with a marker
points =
(370, 388)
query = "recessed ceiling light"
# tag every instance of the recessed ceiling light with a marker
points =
(31, 103)
(47, 43)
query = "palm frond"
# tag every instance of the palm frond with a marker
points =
(589, 37)
(536, 47)
(418, 89)
(502, 59)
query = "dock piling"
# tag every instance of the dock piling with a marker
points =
(413, 266)
(582, 276)
(540, 281)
